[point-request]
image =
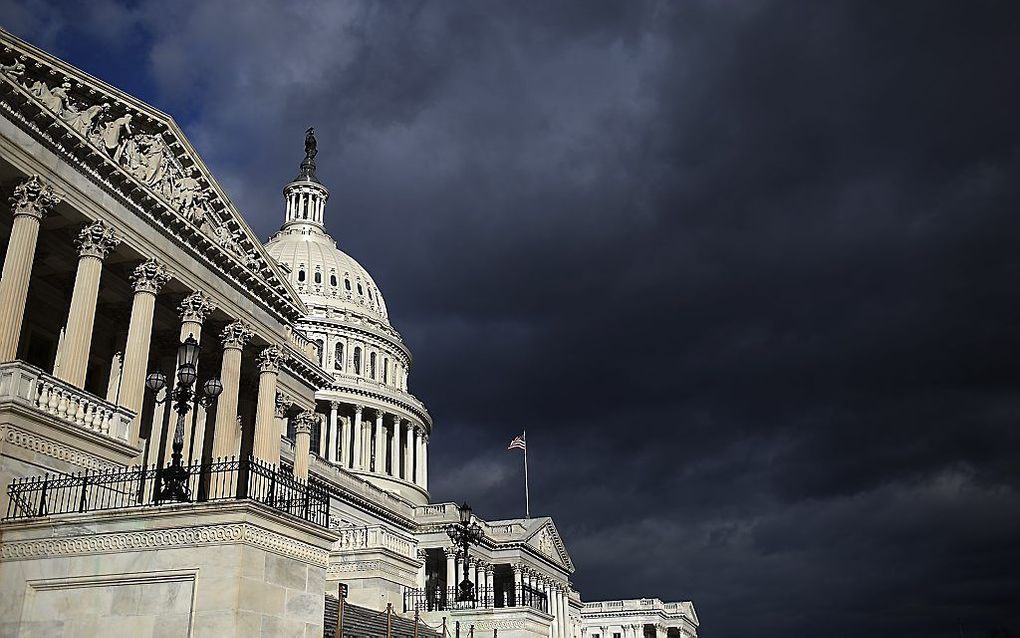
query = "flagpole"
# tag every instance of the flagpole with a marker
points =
(527, 497)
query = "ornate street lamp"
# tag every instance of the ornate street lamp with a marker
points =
(463, 534)
(174, 479)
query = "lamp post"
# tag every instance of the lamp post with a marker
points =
(174, 479)
(463, 534)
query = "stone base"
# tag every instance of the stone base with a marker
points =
(220, 569)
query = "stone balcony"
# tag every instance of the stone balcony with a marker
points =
(373, 537)
(48, 425)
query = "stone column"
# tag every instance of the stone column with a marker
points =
(561, 610)
(409, 453)
(303, 425)
(379, 445)
(518, 570)
(358, 465)
(395, 448)
(282, 405)
(331, 453)
(490, 593)
(550, 597)
(417, 456)
(94, 242)
(422, 575)
(193, 312)
(451, 569)
(32, 200)
(147, 280)
(226, 434)
(345, 442)
(267, 439)
(424, 461)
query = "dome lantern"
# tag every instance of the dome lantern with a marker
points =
(306, 196)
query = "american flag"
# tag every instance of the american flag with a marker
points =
(517, 443)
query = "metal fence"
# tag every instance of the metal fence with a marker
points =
(439, 599)
(221, 480)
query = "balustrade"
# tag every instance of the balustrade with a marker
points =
(33, 388)
(373, 537)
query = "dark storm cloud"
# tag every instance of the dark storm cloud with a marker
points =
(746, 272)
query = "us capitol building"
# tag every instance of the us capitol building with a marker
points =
(205, 435)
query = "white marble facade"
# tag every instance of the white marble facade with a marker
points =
(120, 244)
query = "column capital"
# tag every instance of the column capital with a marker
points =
(282, 404)
(304, 422)
(422, 555)
(96, 240)
(34, 197)
(490, 568)
(451, 552)
(270, 359)
(149, 276)
(358, 409)
(236, 335)
(196, 307)
(518, 568)
(334, 405)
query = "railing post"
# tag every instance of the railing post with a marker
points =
(84, 488)
(42, 495)
(243, 469)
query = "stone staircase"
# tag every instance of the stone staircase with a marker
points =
(361, 622)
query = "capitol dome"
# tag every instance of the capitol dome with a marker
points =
(324, 275)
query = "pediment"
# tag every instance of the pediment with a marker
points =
(141, 154)
(546, 540)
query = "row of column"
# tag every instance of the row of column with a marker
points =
(385, 444)
(33, 199)
(557, 595)
(479, 572)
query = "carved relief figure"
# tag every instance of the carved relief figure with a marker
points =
(81, 121)
(112, 133)
(15, 70)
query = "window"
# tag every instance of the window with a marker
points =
(357, 360)
(338, 357)
(371, 365)
(301, 275)
(360, 291)
(385, 370)
(318, 277)
(347, 284)
(370, 294)
(332, 280)
(321, 347)
(616, 634)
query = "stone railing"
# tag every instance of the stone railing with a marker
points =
(373, 537)
(29, 386)
(355, 381)
(303, 344)
(437, 510)
(329, 472)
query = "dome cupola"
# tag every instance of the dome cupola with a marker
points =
(305, 195)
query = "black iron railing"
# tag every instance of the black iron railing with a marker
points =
(221, 480)
(439, 599)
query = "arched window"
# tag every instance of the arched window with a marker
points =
(338, 357)
(301, 275)
(370, 294)
(347, 284)
(321, 347)
(332, 280)
(371, 365)
(318, 277)
(357, 360)
(360, 291)
(385, 370)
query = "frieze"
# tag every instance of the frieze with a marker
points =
(165, 538)
(53, 449)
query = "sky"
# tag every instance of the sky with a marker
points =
(745, 271)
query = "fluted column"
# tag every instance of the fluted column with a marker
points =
(451, 567)
(267, 439)
(33, 199)
(148, 279)
(193, 310)
(518, 570)
(550, 597)
(416, 445)
(561, 610)
(226, 434)
(423, 471)
(303, 425)
(94, 242)
(422, 574)
(331, 453)
(409, 453)
(379, 446)
(345, 442)
(395, 447)
(358, 465)
(490, 594)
